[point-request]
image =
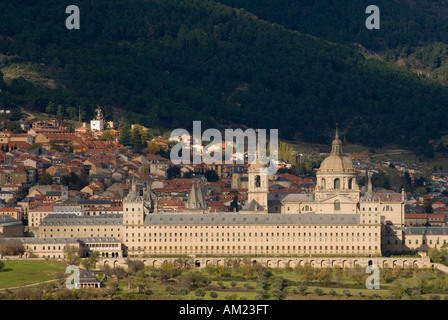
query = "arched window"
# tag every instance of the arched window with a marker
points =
(257, 181)
(324, 183)
(350, 183)
(337, 205)
(337, 183)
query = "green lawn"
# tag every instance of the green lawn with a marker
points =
(22, 272)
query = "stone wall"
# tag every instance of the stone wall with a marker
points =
(283, 262)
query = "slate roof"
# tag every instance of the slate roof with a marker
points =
(87, 277)
(425, 230)
(7, 220)
(68, 240)
(220, 218)
(253, 205)
(295, 197)
(73, 219)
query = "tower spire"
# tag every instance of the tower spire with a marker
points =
(336, 145)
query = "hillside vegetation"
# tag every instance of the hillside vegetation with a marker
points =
(413, 33)
(166, 63)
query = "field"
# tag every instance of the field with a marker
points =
(25, 272)
(245, 282)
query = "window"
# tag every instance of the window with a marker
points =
(257, 181)
(337, 183)
(337, 205)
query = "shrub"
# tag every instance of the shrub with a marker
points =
(200, 292)
(184, 291)
(318, 291)
(302, 289)
(248, 286)
(169, 289)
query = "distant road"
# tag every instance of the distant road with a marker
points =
(391, 153)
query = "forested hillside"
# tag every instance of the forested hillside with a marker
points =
(169, 62)
(413, 33)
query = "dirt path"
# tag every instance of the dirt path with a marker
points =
(30, 116)
(28, 285)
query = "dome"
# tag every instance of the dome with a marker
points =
(336, 162)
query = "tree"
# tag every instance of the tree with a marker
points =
(90, 262)
(152, 148)
(213, 294)
(441, 148)
(234, 204)
(135, 265)
(138, 135)
(439, 255)
(119, 272)
(125, 133)
(72, 113)
(169, 289)
(46, 179)
(211, 176)
(276, 294)
(15, 127)
(12, 247)
(2, 266)
(200, 292)
(184, 291)
(72, 255)
(173, 172)
(143, 287)
(107, 135)
(318, 291)
(50, 108)
(324, 277)
(302, 289)
(60, 112)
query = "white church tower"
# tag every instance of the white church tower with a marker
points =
(98, 123)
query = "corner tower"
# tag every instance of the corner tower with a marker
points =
(133, 207)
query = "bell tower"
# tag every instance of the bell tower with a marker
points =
(258, 189)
